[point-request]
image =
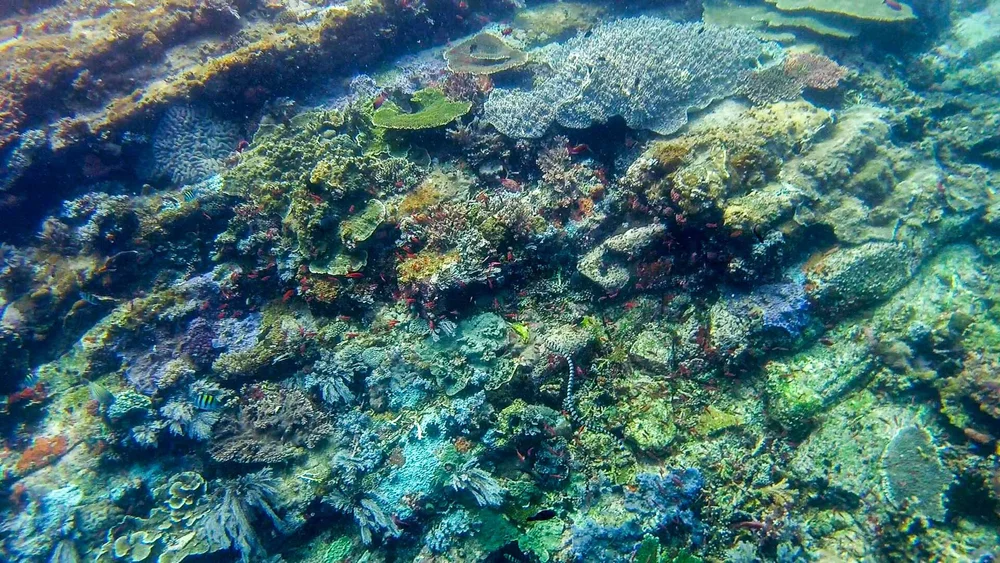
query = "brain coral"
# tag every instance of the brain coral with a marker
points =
(190, 143)
(650, 71)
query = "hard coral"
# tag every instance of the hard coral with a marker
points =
(650, 71)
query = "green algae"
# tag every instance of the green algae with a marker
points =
(543, 539)
(433, 110)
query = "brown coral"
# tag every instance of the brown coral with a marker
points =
(274, 424)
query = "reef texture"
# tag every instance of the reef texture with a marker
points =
(400, 320)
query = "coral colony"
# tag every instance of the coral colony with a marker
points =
(445, 281)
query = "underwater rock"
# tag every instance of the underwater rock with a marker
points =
(648, 70)
(915, 477)
(553, 21)
(652, 429)
(567, 340)
(843, 453)
(653, 349)
(483, 53)
(608, 263)
(799, 388)
(846, 280)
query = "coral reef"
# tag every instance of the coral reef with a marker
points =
(432, 110)
(651, 72)
(591, 283)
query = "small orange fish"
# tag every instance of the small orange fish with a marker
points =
(354, 275)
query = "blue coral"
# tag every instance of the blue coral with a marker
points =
(781, 306)
(666, 502)
(454, 525)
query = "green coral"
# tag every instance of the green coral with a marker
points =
(434, 110)
(914, 473)
(339, 550)
(363, 224)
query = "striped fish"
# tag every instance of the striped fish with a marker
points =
(206, 402)
(100, 393)
(31, 379)
(189, 194)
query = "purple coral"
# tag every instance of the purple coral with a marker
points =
(197, 343)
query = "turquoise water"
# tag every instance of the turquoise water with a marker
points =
(414, 280)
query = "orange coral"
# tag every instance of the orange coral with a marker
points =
(42, 452)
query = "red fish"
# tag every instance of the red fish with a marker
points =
(577, 149)
(893, 4)
(507, 31)
(380, 99)
(354, 275)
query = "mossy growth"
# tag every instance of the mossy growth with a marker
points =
(434, 110)
(272, 346)
(360, 226)
(339, 550)
(793, 406)
(542, 539)
(425, 264)
(714, 420)
(650, 426)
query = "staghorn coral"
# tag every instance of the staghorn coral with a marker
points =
(650, 71)
(274, 424)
